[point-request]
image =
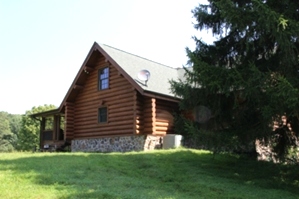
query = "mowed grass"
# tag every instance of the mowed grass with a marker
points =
(167, 174)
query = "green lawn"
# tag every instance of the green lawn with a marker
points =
(168, 174)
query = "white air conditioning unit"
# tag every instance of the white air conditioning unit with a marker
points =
(172, 141)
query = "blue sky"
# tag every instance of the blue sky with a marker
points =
(43, 43)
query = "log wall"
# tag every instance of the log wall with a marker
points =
(138, 113)
(69, 121)
(157, 116)
(149, 115)
(119, 100)
(164, 117)
(129, 112)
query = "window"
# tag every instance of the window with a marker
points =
(103, 78)
(102, 115)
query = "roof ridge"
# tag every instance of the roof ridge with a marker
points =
(139, 56)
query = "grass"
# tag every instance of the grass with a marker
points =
(169, 174)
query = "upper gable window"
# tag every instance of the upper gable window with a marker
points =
(103, 78)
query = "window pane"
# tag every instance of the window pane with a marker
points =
(104, 84)
(102, 115)
(105, 71)
(103, 79)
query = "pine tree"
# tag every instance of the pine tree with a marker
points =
(248, 77)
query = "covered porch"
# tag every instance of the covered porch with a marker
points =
(52, 128)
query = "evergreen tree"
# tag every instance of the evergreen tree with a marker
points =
(248, 77)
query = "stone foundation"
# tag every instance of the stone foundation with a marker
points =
(118, 144)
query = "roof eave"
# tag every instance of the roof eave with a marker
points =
(46, 113)
(161, 96)
(77, 76)
(119, 68)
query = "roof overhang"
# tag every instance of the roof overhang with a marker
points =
(87, 66)
(161, 96)
(46, 113)
(76, 85)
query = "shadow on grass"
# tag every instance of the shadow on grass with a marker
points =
(159, 174)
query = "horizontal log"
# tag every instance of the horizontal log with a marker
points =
(88, 69)
(114, 79)
(69, 128)
(138, 113)
(106, 95)
(86, 116)
(122, 109)
(148, 118)
(120, 118)
(147, 105)
(111, 104)
(93, 114)
(162, 124)
(125, 104)
(120, 114)
(102, 128)
(124, 85)
(161, 128)
(169, 123)
(166, 119)
(78, 87)
(92, 130)
(88, 108)
(99, 135)
(165, 111)
(68, 104)
(147, 129)
(68, 113)
(100, 61)
(94, 123)
(83, 124)
(68, 125)
(114, 102)
(121, 122)
(110, 125)
(148, 113)
(95, 93)
(159, 133)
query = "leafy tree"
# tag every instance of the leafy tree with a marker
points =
(30, 128)
(7, 138)
(15, 123)
(248, 77)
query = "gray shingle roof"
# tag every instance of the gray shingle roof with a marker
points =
(159, 74)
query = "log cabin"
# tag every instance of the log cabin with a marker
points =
(118, 101)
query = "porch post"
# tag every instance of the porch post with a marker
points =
(41, 136)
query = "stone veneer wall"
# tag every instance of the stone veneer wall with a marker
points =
(118, 144)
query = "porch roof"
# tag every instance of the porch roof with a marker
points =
(47, 113)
